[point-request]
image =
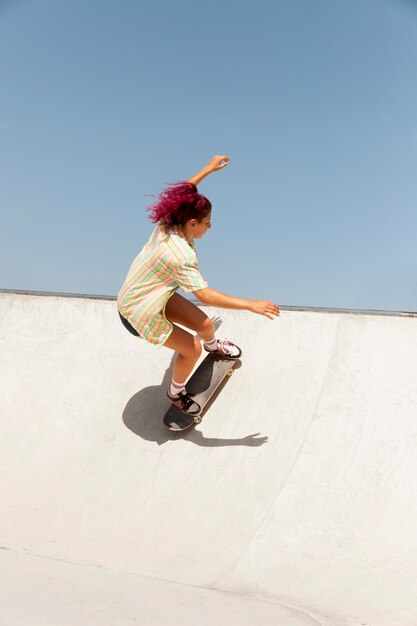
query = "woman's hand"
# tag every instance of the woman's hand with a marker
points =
(218, 162)
(265, 307)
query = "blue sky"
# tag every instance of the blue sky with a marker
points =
(105, 102)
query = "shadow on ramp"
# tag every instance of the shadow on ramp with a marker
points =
(144, 412)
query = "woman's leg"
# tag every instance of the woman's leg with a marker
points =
(189, 350)
(181, 311)
(178, 310)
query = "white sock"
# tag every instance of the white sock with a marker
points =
(211, 345)
(176, 388)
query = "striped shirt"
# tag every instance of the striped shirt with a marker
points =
(167, 262)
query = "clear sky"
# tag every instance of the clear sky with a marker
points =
(103, 102)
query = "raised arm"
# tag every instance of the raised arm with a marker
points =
(218, 162)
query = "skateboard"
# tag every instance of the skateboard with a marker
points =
(204, 383)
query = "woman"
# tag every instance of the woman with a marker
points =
(147, 303)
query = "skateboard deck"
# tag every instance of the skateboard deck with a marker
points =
(204, 383)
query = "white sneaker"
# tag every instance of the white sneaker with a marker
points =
(226, 349)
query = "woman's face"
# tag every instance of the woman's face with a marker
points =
(198, 229)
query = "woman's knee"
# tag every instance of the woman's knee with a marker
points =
(206, 327)
(191, 349)
(189, 346)
(197, 348)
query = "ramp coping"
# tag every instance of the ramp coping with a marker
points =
(306, 309)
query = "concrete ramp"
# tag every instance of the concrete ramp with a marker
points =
(293, 503)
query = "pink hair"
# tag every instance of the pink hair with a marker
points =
(178, 203)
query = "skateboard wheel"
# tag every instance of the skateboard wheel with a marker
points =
(229, 372)
(197, 419)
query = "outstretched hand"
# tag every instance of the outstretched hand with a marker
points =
(218, 162)
(265, 307)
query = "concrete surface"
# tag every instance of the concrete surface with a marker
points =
(293, 503)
